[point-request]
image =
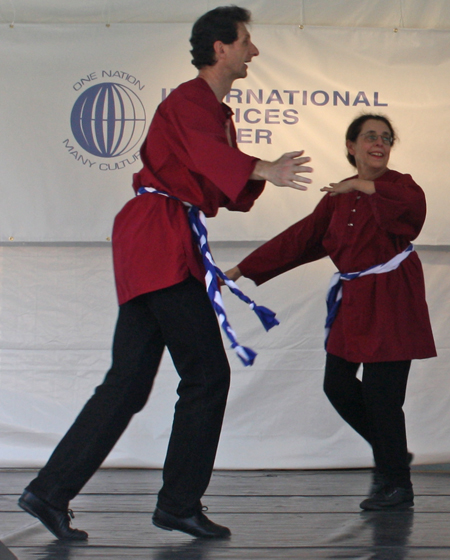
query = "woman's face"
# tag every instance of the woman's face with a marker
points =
(371, 149)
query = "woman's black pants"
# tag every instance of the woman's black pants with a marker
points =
(182, 319)
(373, 407)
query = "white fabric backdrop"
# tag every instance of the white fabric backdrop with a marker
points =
(58, 312)
(53, 189)
(57, 303)
(420, 14)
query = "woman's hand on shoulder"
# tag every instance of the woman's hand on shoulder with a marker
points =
(362, 185)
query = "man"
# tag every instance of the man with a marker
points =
(190, 154)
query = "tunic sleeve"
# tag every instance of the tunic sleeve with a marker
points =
(299, 244)
(247, 196)
(399, 205)
(196, 132)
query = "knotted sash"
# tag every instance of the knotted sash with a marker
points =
(334, 294)
(197, 222)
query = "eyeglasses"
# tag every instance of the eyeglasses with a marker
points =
(371, 138)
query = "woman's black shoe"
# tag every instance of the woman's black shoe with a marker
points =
(389, 498)
(379, 481)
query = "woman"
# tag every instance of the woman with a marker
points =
(382, 321)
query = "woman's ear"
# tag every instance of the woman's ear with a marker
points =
(350, 147)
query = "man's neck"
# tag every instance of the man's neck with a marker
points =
(217, 82)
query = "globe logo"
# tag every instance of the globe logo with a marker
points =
(108, 120)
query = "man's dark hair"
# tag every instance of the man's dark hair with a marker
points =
(354, 130)
(219, 24)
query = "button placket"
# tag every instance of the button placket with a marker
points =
(353, 211)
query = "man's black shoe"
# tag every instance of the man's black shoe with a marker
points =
(389, 498)
(198, 525)
(56, 520)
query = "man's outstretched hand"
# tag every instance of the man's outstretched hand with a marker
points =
(286, 171)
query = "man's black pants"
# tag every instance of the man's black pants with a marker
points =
(180, 317)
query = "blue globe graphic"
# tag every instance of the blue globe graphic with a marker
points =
(108, 120)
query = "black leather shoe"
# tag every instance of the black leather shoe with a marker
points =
(379, 481)
(198, 525)
(56, 520)
(389, 498)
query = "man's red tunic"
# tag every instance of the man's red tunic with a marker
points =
(187, 154)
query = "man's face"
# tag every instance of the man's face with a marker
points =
(239, 53)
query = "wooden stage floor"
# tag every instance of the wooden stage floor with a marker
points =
(272, 515)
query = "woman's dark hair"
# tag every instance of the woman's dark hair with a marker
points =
(219, 24)
(354, 130)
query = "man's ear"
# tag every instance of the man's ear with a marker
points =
(219, 49)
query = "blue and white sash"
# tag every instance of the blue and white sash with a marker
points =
(197, 222)
(334, 294)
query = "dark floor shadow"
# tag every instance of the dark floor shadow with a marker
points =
(390, 534)
(197, 549)
(5, 553)
(59, 550)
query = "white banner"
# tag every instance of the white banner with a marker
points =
(58, 314)
(77, 100)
